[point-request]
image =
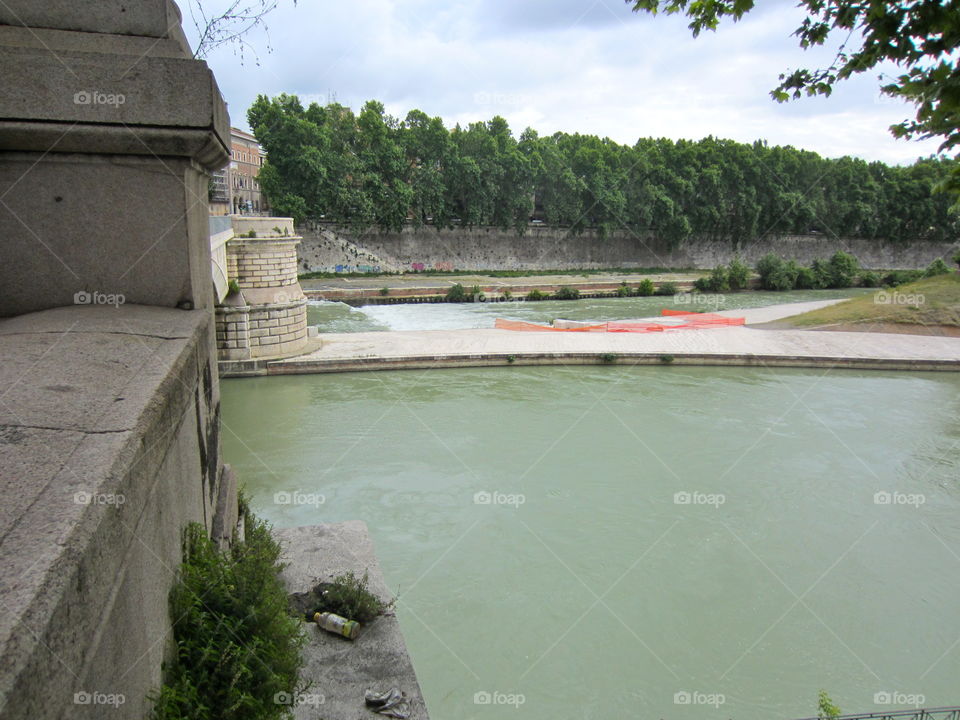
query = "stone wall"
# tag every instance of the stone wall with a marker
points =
(267, 317)
(263, 263)
(110, 421)
(111, 437)
(547, 248)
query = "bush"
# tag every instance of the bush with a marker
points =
(567, 293)
(767, 267)
(237, 644)
(384, 291)
(869, 279)
(507, 295)
(719, 279)
(456, 294)
(738, 274)
(667, 288)
(843, 269)
(956, 258)
(646, 288)
(623, 290)
(937, 267)
(807, 279)
(349, 597)
(777, 274)
(901, 277)
(536, 295)
(716, 281)
(823, 274)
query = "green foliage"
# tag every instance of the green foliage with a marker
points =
(843, 269)
(507, 295)
(250, 234)
(667, 288)
(920, 37)
(476, 294)
(826, 710)
(666, 359)
(536, 295)
(901, 277)
(807, 279)
(456, 294)
(646, 288)
(567, 293)
(717, 281)
(869, 279)
(511, 359)
(608, 358)
(623, 290)
(233, 287)
(776, 273)
(956, 258)
(738, 274)
(350, 597)
(237, 644)
(937, 267)
(384, 291)
(327, 163)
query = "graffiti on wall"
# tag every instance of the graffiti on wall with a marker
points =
(356, 268)
(442, 266)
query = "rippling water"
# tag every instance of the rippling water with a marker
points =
(334, 317)
(711, 534)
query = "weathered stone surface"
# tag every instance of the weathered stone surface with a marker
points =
(339, 669)
(110, 435)
(122, 17)
(325, 247)
(53, 210)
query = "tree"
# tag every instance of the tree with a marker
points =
(826, 709)
(920, 36)
(227, 24)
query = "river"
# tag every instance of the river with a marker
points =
(657, 542)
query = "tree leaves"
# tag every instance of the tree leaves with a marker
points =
(375, 170)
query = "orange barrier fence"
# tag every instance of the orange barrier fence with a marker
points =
(688, 321)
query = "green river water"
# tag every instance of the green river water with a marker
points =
(655, 542)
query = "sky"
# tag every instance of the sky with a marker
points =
(588, 66)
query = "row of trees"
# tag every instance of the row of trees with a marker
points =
(370, 169)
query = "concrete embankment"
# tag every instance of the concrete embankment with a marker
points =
(415, 288)
(340, 670)
(744, 346)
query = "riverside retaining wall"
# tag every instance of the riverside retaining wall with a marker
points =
(326, 248)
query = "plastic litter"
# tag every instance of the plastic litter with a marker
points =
(391, 703)
(336, 624)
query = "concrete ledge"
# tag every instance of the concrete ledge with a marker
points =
(109, 434)
(424, 362)
(339, 669)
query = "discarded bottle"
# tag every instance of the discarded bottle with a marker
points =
(338, 625)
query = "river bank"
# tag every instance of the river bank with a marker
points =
(744, 346)
(420, 288)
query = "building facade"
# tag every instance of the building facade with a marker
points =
(235, 189)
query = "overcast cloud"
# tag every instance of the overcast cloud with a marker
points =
(589, 66)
